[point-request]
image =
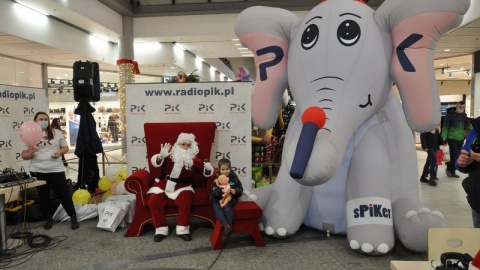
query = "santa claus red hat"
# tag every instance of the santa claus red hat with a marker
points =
(186, 137)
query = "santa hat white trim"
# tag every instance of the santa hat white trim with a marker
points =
(186, 137)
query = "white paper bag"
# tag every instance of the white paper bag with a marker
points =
(130, 198)
(111, 218)
(124, 205)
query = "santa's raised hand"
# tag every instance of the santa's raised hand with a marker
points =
(164, 151)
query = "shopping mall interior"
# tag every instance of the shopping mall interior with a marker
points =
(40, 40)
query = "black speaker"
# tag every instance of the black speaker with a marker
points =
(86, 81)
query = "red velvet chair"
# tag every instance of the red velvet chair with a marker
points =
(140, 181)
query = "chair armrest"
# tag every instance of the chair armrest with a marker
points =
(138, 183)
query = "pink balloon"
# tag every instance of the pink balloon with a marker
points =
(30, 133)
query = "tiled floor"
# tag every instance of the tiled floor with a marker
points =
(91, 248)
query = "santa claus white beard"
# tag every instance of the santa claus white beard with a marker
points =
(184, 156)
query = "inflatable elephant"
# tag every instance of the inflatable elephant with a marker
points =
(349, 164)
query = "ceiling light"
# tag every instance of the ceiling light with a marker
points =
(54, 91)
(450, 75)
(60, 89)
(68, 91)
(446, 50)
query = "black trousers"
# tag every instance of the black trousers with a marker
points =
(455, 147)
(58, 182)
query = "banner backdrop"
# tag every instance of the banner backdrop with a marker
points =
(17, 105)
(226, 103)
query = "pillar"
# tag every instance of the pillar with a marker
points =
(475, 84)
(127, 68)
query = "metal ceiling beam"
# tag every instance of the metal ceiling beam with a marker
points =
(218, 7)
(119, 6)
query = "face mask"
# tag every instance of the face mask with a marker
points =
(43, 124)
(459, 111)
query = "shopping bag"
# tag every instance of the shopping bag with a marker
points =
(125, 198)
(446, 153)
(111, 218)
(440, 156)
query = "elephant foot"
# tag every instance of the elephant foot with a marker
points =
(368, 248)
(371, 239)
(412, 229)
(278, 233)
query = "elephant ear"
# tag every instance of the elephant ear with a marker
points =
(415, 27)
(267, 32)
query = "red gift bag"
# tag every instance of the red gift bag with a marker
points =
(440, 156)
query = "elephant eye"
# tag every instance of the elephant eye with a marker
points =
(348, 33)
(310, 36)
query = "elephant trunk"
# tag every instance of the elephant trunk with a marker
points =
(313, 119)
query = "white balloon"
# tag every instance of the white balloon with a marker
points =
(120, 189)
(111, 172)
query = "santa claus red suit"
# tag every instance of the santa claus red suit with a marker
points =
(175, 183)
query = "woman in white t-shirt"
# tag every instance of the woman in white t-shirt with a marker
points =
(46, 164)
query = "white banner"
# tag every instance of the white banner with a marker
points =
(226, 103)
(17, 105)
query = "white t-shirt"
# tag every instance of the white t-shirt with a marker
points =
(42, 161)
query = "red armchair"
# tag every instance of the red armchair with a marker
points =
(140, 181)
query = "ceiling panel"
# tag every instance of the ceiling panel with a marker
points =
(461, 42)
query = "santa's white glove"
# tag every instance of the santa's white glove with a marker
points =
(207, 167)
(164, 151)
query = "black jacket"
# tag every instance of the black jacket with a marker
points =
(234, 183)
(431, 140)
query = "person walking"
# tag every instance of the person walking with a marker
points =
(430, 144)
(455, 126)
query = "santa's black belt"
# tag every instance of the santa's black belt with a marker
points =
(178, 180)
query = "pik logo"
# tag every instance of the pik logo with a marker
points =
(5, 110)
(238, 139)
(134, 169)
(223, 126)
(372, 210)
(5, 144)
(137, 108)
(238, 107)
(28, 111)
(137, 140)
(16, 125)
(240, 170)
(208, 108)
(172, 108)
(44, 143)
(220, 155)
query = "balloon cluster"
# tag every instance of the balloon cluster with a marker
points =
(113, 182)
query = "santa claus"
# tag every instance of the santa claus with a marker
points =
(175, 183)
